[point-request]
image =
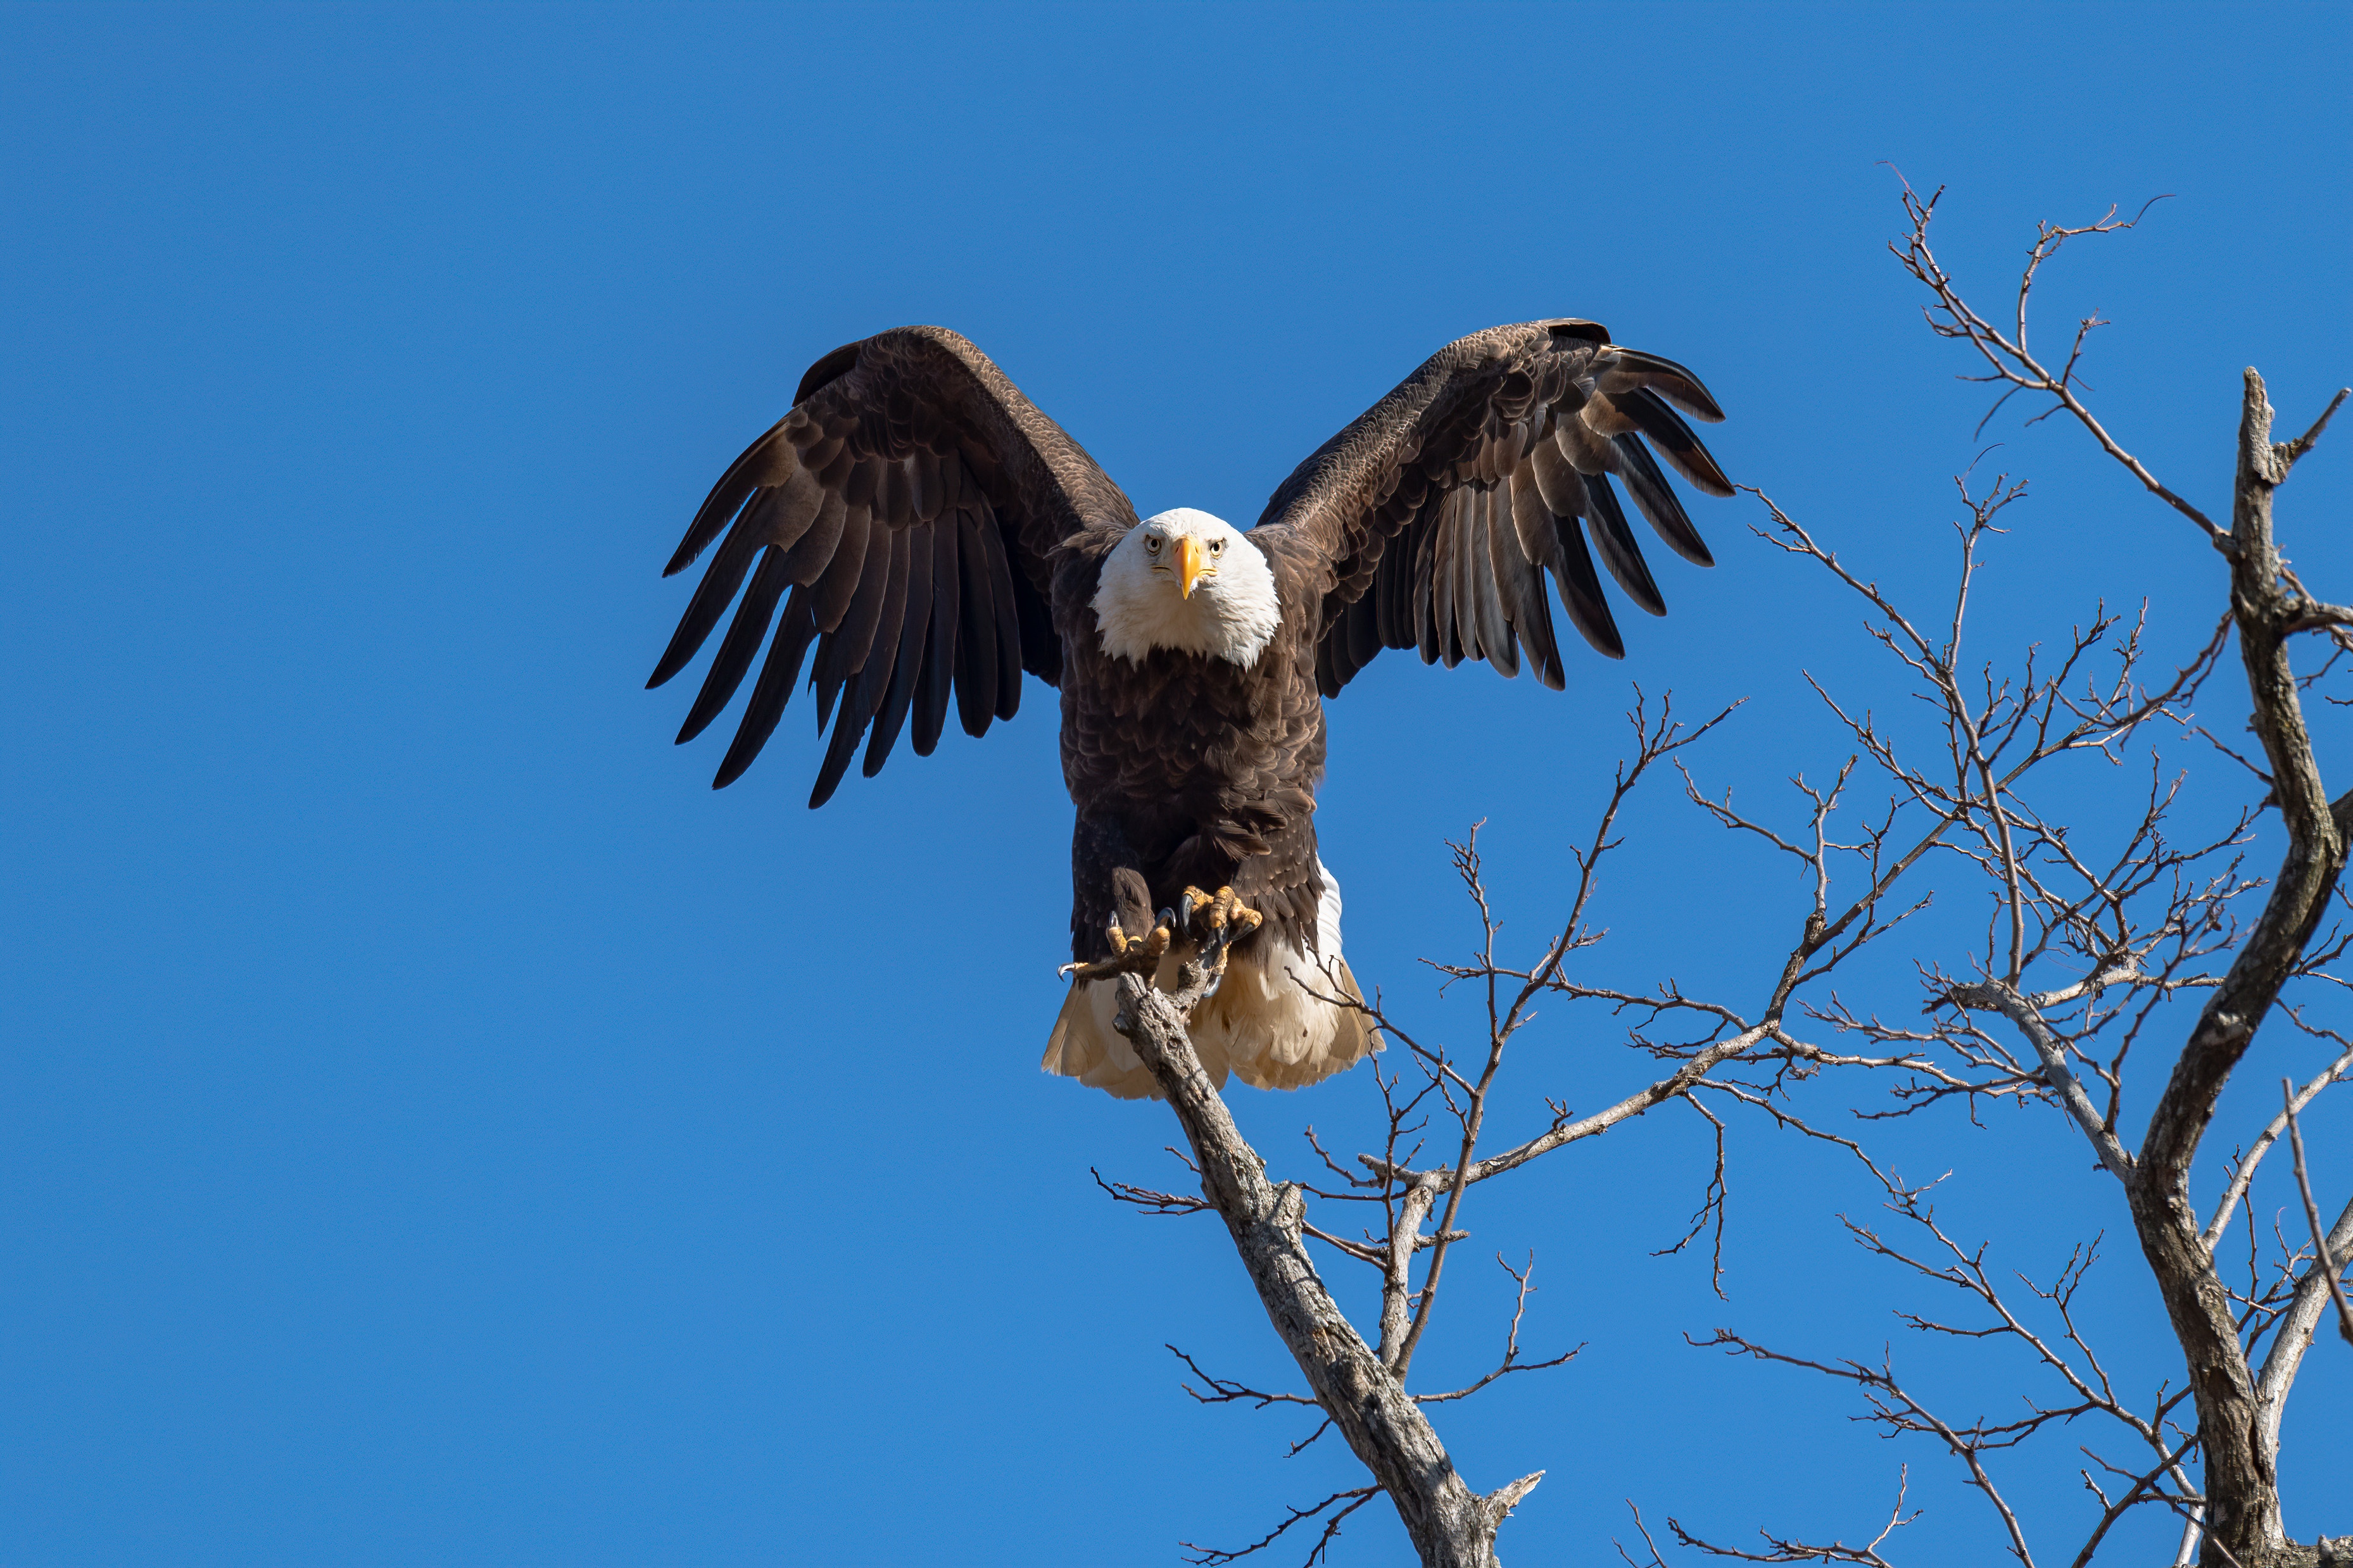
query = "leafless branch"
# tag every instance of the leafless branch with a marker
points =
(1219, 1391)
(1711, 1207)
(1781, 1549)
(2006, 356)
(2325, 1259)
(1212, 1555)
(1523, 1278)
(2243, 1175)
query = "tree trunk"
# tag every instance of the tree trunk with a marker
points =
(2241, 1484)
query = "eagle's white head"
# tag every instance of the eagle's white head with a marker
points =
(1189, 582)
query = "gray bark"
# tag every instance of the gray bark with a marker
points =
(1452, 1525)
(2237, 1435)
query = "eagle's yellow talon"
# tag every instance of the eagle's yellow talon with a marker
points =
(1211, 923)
(1129, 954)
(1215, 922)
(1228, 910)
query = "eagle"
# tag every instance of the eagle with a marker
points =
(921, 536)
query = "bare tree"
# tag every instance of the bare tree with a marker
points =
(2102, 932)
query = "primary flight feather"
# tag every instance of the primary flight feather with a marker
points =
(917, 534)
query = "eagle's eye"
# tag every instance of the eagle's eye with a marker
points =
(1217, 547)
(1152, 544)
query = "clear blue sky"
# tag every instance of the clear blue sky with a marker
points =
(440, 1129)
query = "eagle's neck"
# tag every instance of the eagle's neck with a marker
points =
(1232, 616)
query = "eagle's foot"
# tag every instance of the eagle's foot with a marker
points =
(1129, 955)
(1215, 922)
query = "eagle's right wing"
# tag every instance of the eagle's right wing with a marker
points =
(907, 511)
(1431, 522)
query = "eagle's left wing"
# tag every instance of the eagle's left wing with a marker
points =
(1432, 520)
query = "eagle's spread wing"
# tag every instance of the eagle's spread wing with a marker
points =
(906, 513)
(1432, 520)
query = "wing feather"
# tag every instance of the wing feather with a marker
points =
(1677, 442)
(829, 675)
(913, 631)
(891, 613)
(1364, 632)
(843, 657)
(858, 488)
(1327, 675)
(1002, 604)
(772, 690)
(939, 668)
(1482, 576)
(1041, 644)
(1663, 376)
(1425, 579)
(1587, 452)
(744, 635)
(1448, 507)
(1393, 591)
(1649, 487)
(805, 562)
(1620, 553)
(1533, 547)
(860, 627)
(1445, 589)
(1580, 592)
(712, 596)
(976, 673)
(1557, 483)
(769, 461)
(837, 583)
(894, 447)
(848, 731)
(1602, 416)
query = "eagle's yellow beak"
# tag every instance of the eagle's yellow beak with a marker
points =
(1192, 565)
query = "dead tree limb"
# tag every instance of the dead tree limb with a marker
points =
(2241, 1489)
(1452, 1525)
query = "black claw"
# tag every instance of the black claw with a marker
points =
(1214, 945)
(1184, 913)
(1168, 919)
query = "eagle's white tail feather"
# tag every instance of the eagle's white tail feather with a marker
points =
(1268, 1023)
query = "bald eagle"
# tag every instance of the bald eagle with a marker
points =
(927, 532)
